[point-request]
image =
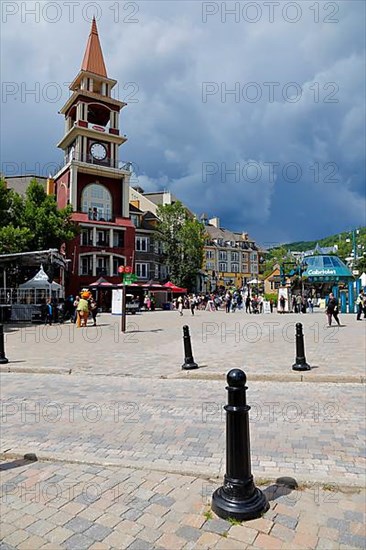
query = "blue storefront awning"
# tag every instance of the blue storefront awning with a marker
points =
(323, 269)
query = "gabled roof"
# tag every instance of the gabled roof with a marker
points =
(93, 61)
(134, 209)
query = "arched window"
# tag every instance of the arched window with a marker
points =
(96, 201)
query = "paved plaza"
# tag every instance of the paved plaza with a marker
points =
(131, 447)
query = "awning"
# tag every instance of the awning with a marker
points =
(35, 258)
(173, 288)
(326, 269)
(101, 283)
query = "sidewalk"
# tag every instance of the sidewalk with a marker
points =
(313, 432)
(131, 447)
(263, 345)
(75, 507)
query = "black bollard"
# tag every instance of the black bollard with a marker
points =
(189, 363)
(238, 498)
(300, 360)
(3, 359)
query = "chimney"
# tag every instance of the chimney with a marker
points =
(215, 222)
(50, 186)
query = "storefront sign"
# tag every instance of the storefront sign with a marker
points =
(321, 272)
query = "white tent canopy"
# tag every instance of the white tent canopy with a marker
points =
(38, 289)
(40, 282)
(363, 279)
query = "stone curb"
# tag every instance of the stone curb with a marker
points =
(339, 484)
(295, 377)
(32, 370)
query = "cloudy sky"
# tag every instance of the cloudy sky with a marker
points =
(250, 111)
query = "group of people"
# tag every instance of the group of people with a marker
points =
(332, 309)
(85, 305)
(302, 304)
(77, 310)
(230, 300)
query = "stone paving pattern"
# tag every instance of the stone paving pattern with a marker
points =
(310, 431)
(262, 344)
(135, 446)
(74, 507)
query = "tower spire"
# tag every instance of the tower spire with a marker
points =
(93, 61)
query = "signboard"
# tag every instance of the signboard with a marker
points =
(321, 272)
(96, 127)
(128, 279)
(117, 301)
(266, 307)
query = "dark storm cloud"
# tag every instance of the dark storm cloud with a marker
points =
(281, 155)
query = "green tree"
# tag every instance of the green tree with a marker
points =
(49, 225)
(33, 222)
(183, 238)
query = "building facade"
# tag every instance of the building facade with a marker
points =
(149, 262)
(91, 179)
(230, 258)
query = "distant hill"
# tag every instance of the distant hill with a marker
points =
(339, 238)
(343, 240)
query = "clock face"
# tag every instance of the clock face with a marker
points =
(98, 151)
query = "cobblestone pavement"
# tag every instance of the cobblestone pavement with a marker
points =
(262, 344)
(131, 447)
(310, 431)
(67, 506)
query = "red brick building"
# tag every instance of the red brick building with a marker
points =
(91, 179)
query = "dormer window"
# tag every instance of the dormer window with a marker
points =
(135, 220)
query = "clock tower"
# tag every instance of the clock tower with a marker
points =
(92, 180)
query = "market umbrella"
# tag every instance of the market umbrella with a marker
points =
(174, 288)
(100, 283)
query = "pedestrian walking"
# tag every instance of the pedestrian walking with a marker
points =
(248, 304)
(49, 312)
(94, 310)
(228, 302)
(180, 305)
(83, 310)
(75, 314)
(360, 303)
(282, 304)
(192, 303)
(332, 310)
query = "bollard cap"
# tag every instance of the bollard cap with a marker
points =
(236, 378)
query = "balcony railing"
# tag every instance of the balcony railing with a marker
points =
(99, 216)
